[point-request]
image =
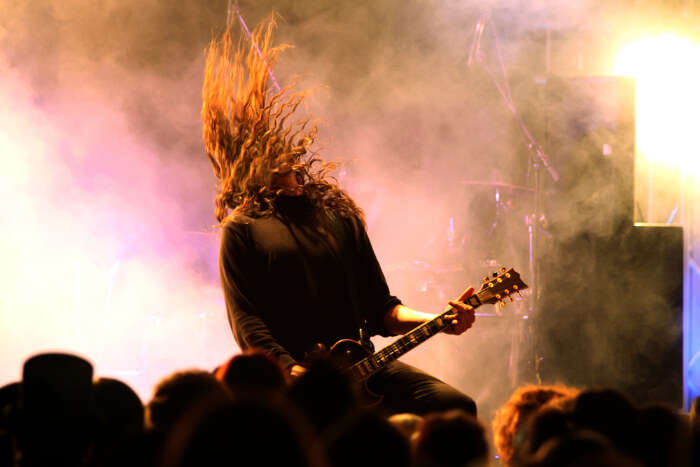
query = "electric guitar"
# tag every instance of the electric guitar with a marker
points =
(361, 363)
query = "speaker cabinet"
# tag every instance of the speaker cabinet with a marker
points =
(610, 312)
(610, 292)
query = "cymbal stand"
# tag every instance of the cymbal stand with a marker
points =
(538, 159)
(232, 9)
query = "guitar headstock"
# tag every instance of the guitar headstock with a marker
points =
(500, 286)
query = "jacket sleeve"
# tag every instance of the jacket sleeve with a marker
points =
(239, 267)
(374, 289)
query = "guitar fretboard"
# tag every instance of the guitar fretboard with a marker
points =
(372, 364)
(411, 340)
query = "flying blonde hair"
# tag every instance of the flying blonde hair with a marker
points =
(249, 132)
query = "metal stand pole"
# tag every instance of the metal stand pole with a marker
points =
(538, 160)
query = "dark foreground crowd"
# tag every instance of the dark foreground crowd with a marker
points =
(247, 412)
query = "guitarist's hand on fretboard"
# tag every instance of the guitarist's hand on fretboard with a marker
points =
(462, 316)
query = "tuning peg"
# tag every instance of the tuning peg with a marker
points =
(503, 269)
(506, 291)
(502, 303)
(498, 296)
(508, 275)
(486, 279)
(499, 280)
(490, 284)
(515, 287)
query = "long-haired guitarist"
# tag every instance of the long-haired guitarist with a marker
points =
(297, 267)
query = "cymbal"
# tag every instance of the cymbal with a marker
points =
(497, 184)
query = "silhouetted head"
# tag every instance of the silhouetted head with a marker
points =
(324, 393)
(253, 370)
(9, 401)
(511, 419)
(663, 437)
(243, 431)
(608, 412)
(177, 394)
(120, 424)
(118, 407)
(56, 409)
(7, 449)
(547, 423)
(367, 437)
(694, 419)
(454, 438)
(581, 449)
(694, 412)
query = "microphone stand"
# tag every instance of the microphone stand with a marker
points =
(230, 10)
(538, 160)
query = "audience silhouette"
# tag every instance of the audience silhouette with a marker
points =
(247, 412)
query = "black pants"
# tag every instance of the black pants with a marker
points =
(407, 389)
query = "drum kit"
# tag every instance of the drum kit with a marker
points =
(464, 248)
(497, 231)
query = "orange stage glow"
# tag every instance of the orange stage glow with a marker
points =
(667, 70)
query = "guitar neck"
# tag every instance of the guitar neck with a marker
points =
(412, 339)
(372, 364)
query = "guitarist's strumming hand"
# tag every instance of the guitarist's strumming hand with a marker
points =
(462, 316)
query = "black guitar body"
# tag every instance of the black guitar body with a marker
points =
(347, 352)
